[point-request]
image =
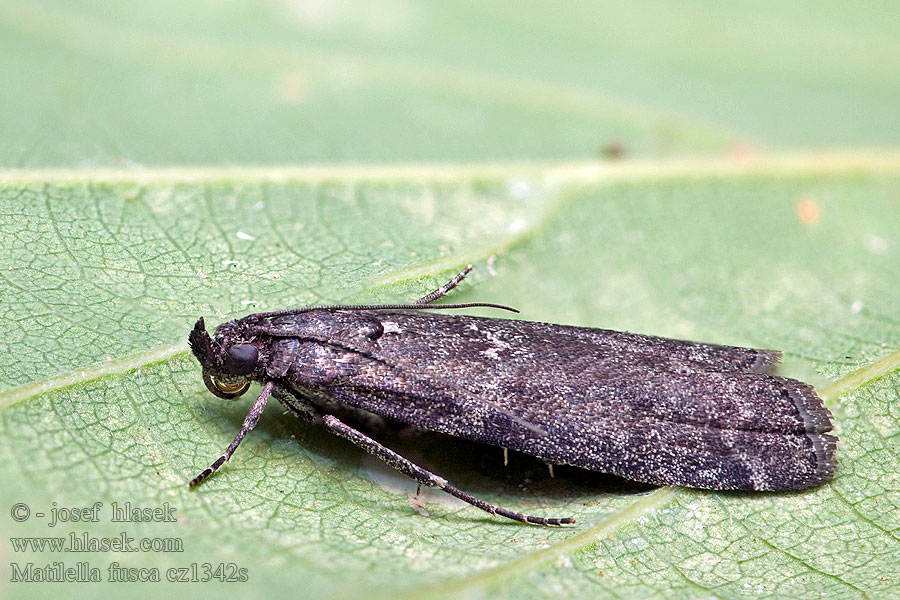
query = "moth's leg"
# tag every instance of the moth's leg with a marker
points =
(249, 423)
(442, 291)
(297, 404)
(424, 477)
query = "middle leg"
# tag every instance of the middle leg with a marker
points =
(425, 477)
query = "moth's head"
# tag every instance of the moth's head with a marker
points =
(227, 361)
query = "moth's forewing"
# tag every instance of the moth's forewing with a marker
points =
(649, 409)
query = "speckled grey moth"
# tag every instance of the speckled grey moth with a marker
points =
(649, 409)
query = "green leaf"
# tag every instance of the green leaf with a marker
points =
(114, 84)
(112, 244)
(104, 273)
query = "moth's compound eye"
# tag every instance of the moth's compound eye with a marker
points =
(241, 359)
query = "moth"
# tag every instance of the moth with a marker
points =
(646, 408)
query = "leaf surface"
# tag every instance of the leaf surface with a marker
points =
(660, 168)
(703, 252)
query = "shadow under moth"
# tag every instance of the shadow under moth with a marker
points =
(649, 409)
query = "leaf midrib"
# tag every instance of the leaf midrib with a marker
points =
(869, 160)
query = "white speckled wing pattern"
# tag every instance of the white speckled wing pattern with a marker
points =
(646, 408)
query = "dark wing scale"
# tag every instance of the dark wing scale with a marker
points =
(279, 356)
(707, 356)
(419, 327)
(650, 449)
(744, 401)
(531, 335)
(647, 409)
(512, 362)
(662, 452)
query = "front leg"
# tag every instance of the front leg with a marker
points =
(425, 477)
(249, 423)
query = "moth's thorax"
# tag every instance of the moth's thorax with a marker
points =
(231, 333)
(330, 324)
